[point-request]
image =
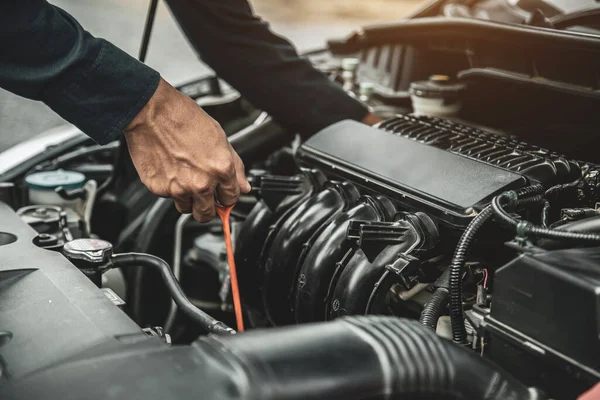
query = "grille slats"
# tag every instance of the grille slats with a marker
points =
(506, 152)
(517, 160)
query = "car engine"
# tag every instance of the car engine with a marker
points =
(450, 251)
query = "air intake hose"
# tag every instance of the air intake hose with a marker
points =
(369, 357)
(352, 358)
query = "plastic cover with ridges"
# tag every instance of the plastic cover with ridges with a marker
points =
(502, 151)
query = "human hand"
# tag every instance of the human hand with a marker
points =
(180, 152)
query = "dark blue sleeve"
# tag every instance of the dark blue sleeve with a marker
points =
(263, 67)
(46, 55)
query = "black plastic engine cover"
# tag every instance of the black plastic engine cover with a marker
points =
(447, 186)
(432, 165)
(501, 151)
(52, 310)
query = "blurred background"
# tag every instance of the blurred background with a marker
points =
(307, 23)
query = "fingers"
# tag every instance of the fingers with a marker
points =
(227, 189)
(195, 195)
(184, 206)
(227, 194)
(234, 182)
(180, 152)
(240, 172)
(231, 181)
(203, 208)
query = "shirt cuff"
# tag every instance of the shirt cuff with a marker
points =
(102, 96)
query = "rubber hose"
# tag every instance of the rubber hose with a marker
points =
(372, 357)
(351, 358)
(529, 190)
(155, 217)
(459, 335)
(525, 228)
(205, 321)
(540, 232)
(502, 215)
(558, 188)
(434, 308)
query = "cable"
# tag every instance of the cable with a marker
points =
(559, 188)
(529, 190)
(545, 212)
(486, 277)
(176, 266)
(434, 308)
(526, 228)
(437, 304)
(512, 199)
(208, 323)
(523, 228)
(459, 335)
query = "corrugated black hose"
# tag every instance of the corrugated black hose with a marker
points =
(367, 357)
(434, 308)
(459, 335)
(205, 321)
(351, 358)
(561, 187)
(526, 228)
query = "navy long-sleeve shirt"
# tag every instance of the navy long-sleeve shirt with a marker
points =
(46, 55)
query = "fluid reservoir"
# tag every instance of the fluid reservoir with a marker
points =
(43, 190)
(439, 96)
(42, 186)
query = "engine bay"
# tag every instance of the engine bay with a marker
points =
(450, 251)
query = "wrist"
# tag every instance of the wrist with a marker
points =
(147, 115)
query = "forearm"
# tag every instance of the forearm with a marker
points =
(264, 67)
(46, 55)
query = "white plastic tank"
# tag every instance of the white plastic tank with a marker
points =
(42, 191)
(439, 96)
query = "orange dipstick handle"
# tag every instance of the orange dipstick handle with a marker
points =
(223, 213)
